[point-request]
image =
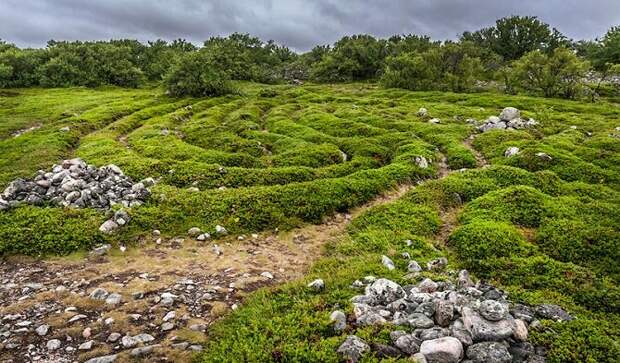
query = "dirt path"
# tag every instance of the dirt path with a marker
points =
(468, 143)
(206, 282)
(170, 290)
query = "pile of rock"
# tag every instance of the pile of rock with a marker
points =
(73, 183)
(448, 322)
(509, 119)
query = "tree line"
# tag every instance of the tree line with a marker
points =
(519, 54)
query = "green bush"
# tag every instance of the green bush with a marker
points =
(481, 240)
(592, 340)
(452, 66)
(197, 75)
(520, 205)
(559, 74)
(583, 243)
(39, 231)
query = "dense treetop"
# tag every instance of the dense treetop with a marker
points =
(518, 53)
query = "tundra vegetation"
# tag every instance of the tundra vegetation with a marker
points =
(232, 143)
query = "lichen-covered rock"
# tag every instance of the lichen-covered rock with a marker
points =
(489, 352)
(408, 343)
(338, 320)
(385, 291)
(509, 114)
(353, 349)
(553, 312)
(492, 310)
(484, 330)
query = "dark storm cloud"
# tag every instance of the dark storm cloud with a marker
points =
(299, 24)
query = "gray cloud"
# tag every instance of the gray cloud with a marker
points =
(300, 24)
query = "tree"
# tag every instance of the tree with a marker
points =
(408, 71)
(353, 58)
(198, 75)
(19, 67)
(246, 58)
(608, 50)
(559, 74)
(514, 36)
(452, 66)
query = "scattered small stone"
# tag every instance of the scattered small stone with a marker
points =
(511, 151)
(77, 317)
(167, 299)
(169, 316)
(198, 327)
(338, 320)
(414, 266)
(219, 230)
(143, 350)
(103, 359)
(113, 337)
(98, 294)
(53, 344)
(42, 330)
(544, 157)
(113, 299)
(267, 274)
(167, 326)
(86, 345)
(442, 350)
(101, 250)
(421, 162)
(407, 343)
(387, 262)
(434, 121)
(428, 285)
(194, 232)
(437, 264)
(422, 112)
(317, 285)
(520, 330)
(86, 333)
(509, 114)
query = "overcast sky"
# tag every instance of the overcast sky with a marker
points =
(300, 24)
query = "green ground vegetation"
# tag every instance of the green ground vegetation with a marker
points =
(281, 156)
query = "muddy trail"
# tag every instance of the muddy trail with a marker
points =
(157, 298)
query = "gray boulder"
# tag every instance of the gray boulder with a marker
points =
(509, 114)
(385, 291)
(489, 352)
(338, 320)
(485, 330)
(353, 349)
(407, 343)
(553, 312)
(492, 310)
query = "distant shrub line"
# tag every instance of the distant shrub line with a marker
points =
(517, 54)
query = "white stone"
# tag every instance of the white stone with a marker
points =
(442, 350)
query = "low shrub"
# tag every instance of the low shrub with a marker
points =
(482, 240)
(39, 231)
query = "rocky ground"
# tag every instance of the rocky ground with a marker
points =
(157, 299)
(454, 320)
